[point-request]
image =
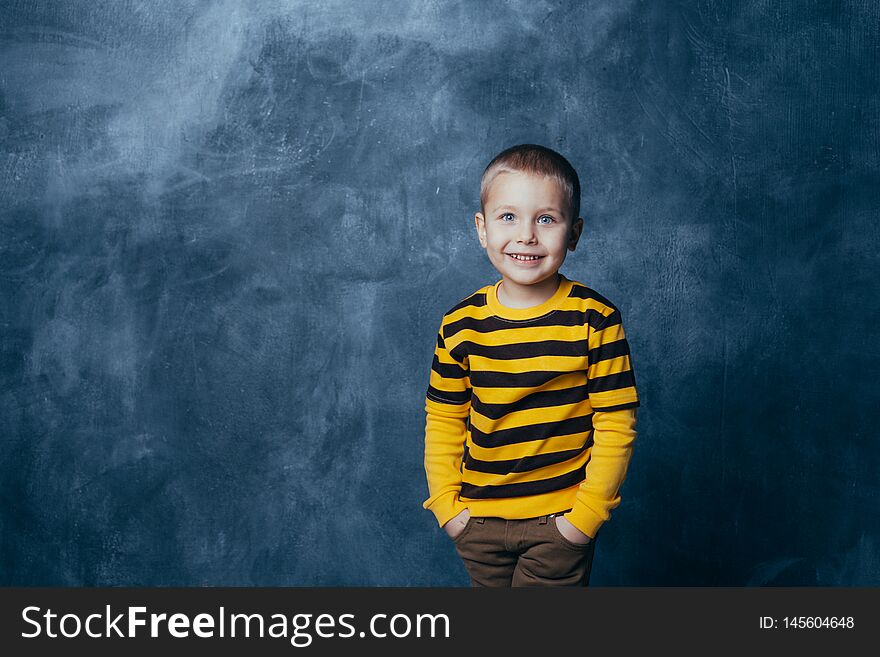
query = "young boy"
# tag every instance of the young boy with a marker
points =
(531, 405)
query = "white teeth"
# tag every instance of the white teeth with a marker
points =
(520, 257)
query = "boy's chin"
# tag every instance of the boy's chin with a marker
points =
(527, 278)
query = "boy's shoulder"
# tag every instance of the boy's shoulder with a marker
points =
(474, 300)
(592, 300)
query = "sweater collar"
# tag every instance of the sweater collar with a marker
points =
(541, 309)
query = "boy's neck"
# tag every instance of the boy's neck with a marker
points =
(513, 295)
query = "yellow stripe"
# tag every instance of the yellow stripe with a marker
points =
(448, 385)
(530, 364)
(482, 312)
(529, 448)
(517, 335)
(610, 366)
(526, 417)
(611, 333)
(613, 397)
(488, 479)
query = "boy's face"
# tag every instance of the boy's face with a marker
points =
(527, 215)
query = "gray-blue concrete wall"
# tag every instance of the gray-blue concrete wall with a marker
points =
(229, 232)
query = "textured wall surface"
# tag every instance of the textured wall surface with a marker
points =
(228, 232)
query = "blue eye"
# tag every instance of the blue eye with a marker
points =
(552, 219)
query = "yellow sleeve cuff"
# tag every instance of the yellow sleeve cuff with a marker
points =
(445, 506)
(585, 519)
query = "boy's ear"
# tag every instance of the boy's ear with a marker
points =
(577, 226)
(480, 223)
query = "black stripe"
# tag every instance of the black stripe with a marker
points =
(524, 488)
(612, 382)
(581, 291)
(618, 407)
(525, 464)
(541, 399)
(609, 350)
(527, 349)
(477, 299)
(480, 379)
(446, 397)
(598, 321)
(611, 319)
(448, 370)
(539, 431)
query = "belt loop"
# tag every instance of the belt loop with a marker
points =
(542, 520)
(480, 520)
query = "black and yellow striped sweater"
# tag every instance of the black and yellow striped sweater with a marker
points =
(530, 410)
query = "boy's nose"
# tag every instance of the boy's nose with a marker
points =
(526, 234)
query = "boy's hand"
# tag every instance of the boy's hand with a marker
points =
(571, 532)
(456, 526)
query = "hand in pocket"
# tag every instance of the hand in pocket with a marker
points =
(571, 532)
(456, 526)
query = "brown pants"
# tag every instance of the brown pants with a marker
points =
(529, 552)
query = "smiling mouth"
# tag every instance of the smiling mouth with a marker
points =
(524, 258)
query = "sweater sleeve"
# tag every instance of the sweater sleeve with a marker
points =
(613, 436)
(611, 382)
(447, 407)
(611, 386)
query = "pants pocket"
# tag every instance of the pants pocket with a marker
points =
(467, 528)
(581, 547)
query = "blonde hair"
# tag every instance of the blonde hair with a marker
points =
(536, 160)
